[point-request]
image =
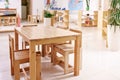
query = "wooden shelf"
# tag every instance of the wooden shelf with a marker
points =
(62, 18)
(93, 21)
(7, 17)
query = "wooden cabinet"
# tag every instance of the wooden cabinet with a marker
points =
(7, 17)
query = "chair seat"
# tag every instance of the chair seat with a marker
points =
(66, 47)
(21, 54)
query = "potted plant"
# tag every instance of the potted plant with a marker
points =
(47, 18)
(114, 25)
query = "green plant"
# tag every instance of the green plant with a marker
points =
(114, 14)
(47, 14)
(87, 5)
(7, 1)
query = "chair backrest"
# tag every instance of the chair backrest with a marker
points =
(75, 30)
(29, 25)
(11, 47)
(34, 18)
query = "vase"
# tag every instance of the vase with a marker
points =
(47, 21)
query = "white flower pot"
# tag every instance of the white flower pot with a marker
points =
(113, 38)
(47, 21)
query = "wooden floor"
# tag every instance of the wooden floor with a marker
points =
(98, 63)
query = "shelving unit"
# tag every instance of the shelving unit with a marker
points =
(104, 26)
(7, 17)
(94, 20)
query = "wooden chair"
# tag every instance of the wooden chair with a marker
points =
(64, 50)
(34, 18)
(19, 57)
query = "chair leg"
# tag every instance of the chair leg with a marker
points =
(66, 60)
(17, 70)
(53, 53)
(11, 63)
(23, 45)
(12, 68)
(43, 50)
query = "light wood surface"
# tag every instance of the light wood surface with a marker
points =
(80, 18)
(95, 18)
(47, 35)
(104, 26)
(25, 44)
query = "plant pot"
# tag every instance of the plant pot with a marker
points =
(113, 38)
(47, 21)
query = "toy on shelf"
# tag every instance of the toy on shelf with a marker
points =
(90, 20)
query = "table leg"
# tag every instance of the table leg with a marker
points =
(38, 65)
(52, 53)
(44, 50)
(77, 56)
(32, 57)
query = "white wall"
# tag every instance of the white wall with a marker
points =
(37, 5)
(93, 5)
(62, 4)
(105, 4)
(13, 4)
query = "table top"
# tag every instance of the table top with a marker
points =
(42, 32)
